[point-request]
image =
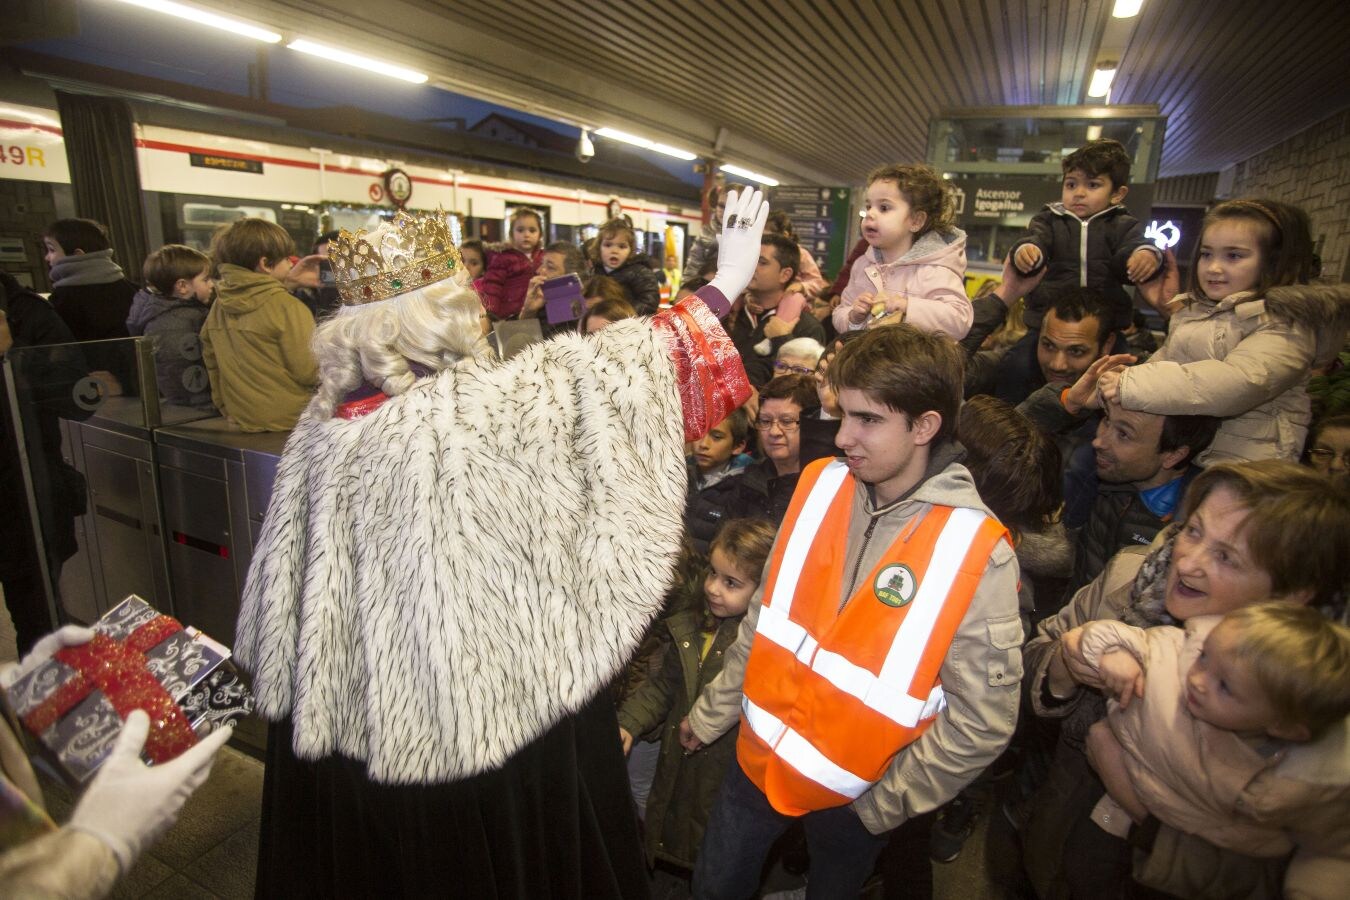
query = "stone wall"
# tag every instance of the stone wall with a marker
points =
(1312, 170)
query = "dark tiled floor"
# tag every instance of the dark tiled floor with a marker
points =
(212, 851)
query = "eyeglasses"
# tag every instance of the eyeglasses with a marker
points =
(788, 425)
(780, 366)
(1326, 456)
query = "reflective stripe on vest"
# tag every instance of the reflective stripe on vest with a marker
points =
(939, 550)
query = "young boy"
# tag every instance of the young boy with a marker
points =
(1205, 719)
(1088, 239)
(171, 308)
(255, 341)
(718, 459)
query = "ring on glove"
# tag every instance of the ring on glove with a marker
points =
(745, 222)
(732, 221)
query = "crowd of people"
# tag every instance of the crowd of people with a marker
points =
(836, 568)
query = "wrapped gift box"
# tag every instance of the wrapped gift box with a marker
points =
(139, 659)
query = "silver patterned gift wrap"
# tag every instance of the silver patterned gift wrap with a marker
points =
(75, 702)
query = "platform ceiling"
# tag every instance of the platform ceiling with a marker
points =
(826, 89)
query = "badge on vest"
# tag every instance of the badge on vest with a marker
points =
(895, 585)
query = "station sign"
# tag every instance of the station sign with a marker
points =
(31, 145)
(820, 218)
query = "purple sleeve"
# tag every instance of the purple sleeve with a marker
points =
(716, 301)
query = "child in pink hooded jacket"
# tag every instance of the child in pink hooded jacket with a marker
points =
(915, 265)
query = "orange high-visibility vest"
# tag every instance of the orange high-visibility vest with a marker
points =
(831, 696)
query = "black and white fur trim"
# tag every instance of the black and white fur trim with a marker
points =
(441, 581)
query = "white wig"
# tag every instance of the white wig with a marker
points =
(436, 326)
(802, 348)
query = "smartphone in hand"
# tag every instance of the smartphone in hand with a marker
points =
(563, 301)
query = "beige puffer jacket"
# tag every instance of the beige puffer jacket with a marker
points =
(1245, 359)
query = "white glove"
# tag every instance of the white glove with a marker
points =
(129, 804)
(738, 244)
(43, 650)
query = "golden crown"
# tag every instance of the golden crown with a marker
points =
(410, 251)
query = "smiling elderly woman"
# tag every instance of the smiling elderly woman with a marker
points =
(1247, 533)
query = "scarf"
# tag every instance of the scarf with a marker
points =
(86, 268)
(1148, 596)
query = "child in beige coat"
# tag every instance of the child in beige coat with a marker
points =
(1233, 730)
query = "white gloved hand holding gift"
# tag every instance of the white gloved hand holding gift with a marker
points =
(129, 804)
(739, 242)
(43, 650)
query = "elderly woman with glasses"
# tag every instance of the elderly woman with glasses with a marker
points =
(767, 485)
(798, 357)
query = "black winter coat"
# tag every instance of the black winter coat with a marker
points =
(746, 337)
(705, 510)
(761, 493)
(1118, 519)
(639, 282)
(1096, 259)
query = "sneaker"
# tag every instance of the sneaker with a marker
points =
(954, 825)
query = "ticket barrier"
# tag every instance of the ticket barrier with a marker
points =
(131, 495)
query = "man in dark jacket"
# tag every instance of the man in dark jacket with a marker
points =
(756, 328)
(1075, 334)
(1142, 466)
(26, 320)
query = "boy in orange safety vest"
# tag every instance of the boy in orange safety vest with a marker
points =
(877, 670)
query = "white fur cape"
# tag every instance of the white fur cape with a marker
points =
(441, 581)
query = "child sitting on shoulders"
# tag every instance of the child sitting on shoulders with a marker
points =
(1244, 339)
(682, 793)
(171, 309)
(1204, 721)
(915, 265)
(509, 268)
(616, 256)
(1088, 239)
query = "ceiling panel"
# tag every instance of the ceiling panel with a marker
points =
(828, 89)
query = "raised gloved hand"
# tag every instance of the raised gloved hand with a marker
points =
(738, 244)
(129, 804)
(65, 636)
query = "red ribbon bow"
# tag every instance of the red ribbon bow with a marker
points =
(118, 669)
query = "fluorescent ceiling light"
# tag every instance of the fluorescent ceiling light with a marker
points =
(1094, 132)
(202, 17)
(357, 61)
(636, 141)
(746, 173)
(1101, 80)
(1126, 9)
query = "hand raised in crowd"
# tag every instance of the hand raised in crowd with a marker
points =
(1160, 292)
(688, 740)
(861, 309)
(625, 739)
(1084, 392)
(1141, 265)
(1108, 386)
(1122, 676)
(305, 273)
(739, 242)
(1014, 284)
(1027, 257)
(534, 297)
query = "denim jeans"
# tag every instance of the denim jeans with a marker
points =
(743, 828)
